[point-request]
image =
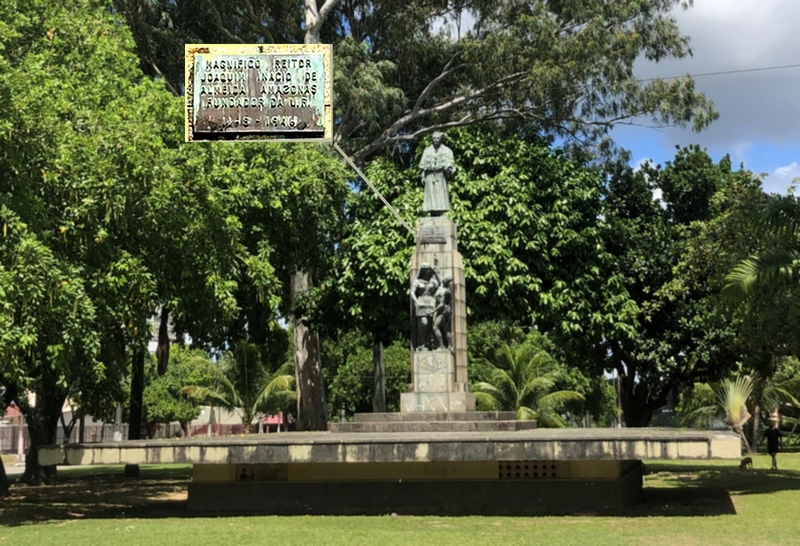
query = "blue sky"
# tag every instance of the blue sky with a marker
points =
(759, 122)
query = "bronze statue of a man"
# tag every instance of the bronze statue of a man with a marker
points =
(437, 166)
(423, 291)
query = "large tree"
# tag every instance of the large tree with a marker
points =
(79, 150)
(406, 68)
(673, 255)
(90, 170)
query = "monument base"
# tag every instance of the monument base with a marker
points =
(437, 401)
(435, 386)
(521, 472)
(605, 487)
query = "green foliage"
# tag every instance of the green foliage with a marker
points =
(400, 73)
(673, 261)
(241, 383)
(776, 265)
(483, 341)
(163, 402)
(523, 381)
(529, 234)
(352, 387)
(698, 406)
(46, 317)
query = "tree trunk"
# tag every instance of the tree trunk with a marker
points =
(638, 403)
(135, 414)
(42, 421)
(743, 436)
(315, 16)
(311, 411)
(752, 448)
(379, 394)
(82, 429)
(68, 427)
(162, 349)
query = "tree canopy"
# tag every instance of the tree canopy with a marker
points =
(407, 68)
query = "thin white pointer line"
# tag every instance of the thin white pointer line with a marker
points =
(385, 202)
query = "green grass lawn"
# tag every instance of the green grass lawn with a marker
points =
(684, 503)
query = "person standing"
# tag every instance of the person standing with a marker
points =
(773, 436)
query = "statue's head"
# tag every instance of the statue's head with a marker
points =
(447, 280)
(437, 138)
(425, 271)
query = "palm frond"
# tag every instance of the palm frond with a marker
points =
(556, 400)
(733, 397)
(781, 214)
(487, 402)
(767, 270)
(278, 393)
(505, 384)
(209, 397)
(540, 384)
(550, 419)
(702, 416)
(785, 396)
(526, 414)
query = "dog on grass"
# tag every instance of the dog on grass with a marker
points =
(746, 463)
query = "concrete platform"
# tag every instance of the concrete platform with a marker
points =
(526, 472)
(323, 447)
(433, 426)
(434, 421)
(489, 497)
(441, 416)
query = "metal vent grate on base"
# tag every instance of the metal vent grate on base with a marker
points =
(531, 470)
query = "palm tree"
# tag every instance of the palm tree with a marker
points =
(522, 381)
(242, 385)
(732, 396)
(778, 265)
(700, 406)
(727, 401)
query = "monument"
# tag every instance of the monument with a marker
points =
(438, 307)
(435, 457)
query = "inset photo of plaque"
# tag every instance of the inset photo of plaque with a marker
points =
(275, 92)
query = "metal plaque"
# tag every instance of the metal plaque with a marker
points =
(432, 234)
(259, 92)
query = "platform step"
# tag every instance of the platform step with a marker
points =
(434, 426)
(435, 416)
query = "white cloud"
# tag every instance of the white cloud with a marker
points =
(639, 163)
(781, 178)
(744, 34)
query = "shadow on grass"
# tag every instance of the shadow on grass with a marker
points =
(95, 493)
(750, 482)
(161, 492)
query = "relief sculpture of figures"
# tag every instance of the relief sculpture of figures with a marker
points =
(437, 166)
(423, 297)
(443, 314)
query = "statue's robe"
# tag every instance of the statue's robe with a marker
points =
(436, 166)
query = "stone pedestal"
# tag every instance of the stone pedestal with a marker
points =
(439, 374)
(434, 384)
